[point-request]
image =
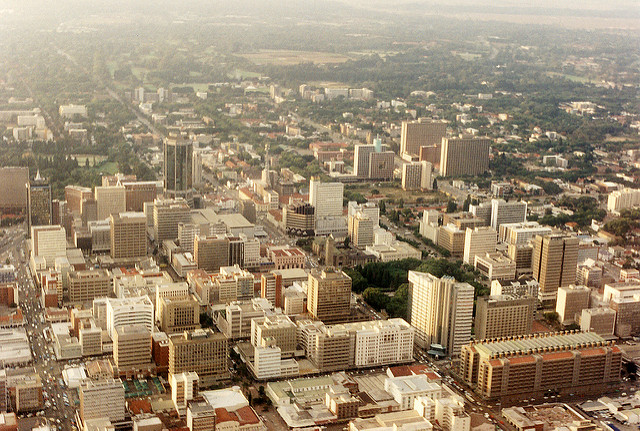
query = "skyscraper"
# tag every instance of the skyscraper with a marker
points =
(507, 212)
(128, 235)
(178, 169)
(441, 311)
(329, 295)
(361, 157)
(416, 134)
(554, 263)
(38, 202)
(467, 155)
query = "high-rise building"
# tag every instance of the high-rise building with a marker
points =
(602, 321)
(201, 416)
(184, 388)
(477, 242)
(381, 165)
(179, 315)
(529, 366)
(507, 212)
(196, 166)
(424, 132)
(139, 192)
(38, 202)
(503, 316)
(271, 288)
(521, 233)
(129, 312)
(15, 181)
(554, 263)
(326, 198)
(201, 351)
(441, 311)
(167, 215)
(329, 295)
(361, 160)
(178, 169)
(452, 239)
(211, 252)
(74, 195)
(48, 242)
(623, 199)
(417, 175)
(110, 200)
(571, 301)
(86, 285)
(102, 399)
(464, 156)
(132, 349)
(361, 230)
(128, 233)
(298, 218)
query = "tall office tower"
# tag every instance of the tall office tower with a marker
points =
(139, 192)
(521, 233)
(554, 263)
(326, 198)
(38, 202)
(128, 312)
(329, 295)
(361, 158)
(132, 349)
(478, 242)
(110, 200)
(441, 310)
(184, 388)
(196, 164)
(102, 399)
(179, 314)
(503, 316)
(271, 289)
(128, 235)
(297, 218)
(482, 211)
(201, 351)
(48, 242)
(381, 165)
(467, 155)
(88, 210)
(361, 230)
(211, 252)
(74, 195)
(507, 212)
(14, 182)
(424, 132)
(178, 169)
(370, 209)
(411, 176)
(167, 215)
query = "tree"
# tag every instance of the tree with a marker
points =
(383, 207)
(435, 184)
(452, 206)
(347, 241)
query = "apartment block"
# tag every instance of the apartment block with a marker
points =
(416, 134)
(441, 311)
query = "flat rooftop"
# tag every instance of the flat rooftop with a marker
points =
(527, 343)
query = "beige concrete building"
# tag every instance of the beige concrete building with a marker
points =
(441, 311)
(495, 266)
(110, 200)
(179, 314)
(211, 252)
(381, 165)
(503, 316)
(132, 349)
(200, 416)
(278, 327)
(528, 366)
(201, 351)
(128, 235)
(14, 192)
(329, 295)
(85, 286)
(360, 230)
(167, 214)
(602, 321)
(478, 242)
(184, 387)
(467, 155)
(570, 302)
(102, 399)
(554, 262)
(452, 239)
